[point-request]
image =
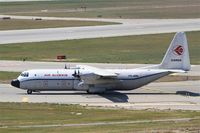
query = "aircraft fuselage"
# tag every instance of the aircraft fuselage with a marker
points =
(64, 79)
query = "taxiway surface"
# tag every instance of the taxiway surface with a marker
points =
(128, 27)
(163, 95)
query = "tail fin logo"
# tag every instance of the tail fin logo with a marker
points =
(178, 50)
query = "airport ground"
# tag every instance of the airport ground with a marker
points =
(182, 95)
(157, 107)
(37, 23)
(157, 96)
(25, 118)
(127, 27)
(105, 9)
(121, 9)
(144, 49)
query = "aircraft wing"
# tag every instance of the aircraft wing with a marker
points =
(98, 71)
(96, 75)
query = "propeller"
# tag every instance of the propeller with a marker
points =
(76, 74)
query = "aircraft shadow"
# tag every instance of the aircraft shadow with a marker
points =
(116, 97)
(188, 93)
(112, 95)
(150, 93)
(119, 97)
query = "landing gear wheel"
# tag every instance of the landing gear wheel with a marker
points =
(29, 91)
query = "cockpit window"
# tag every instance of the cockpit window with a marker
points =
(24, 74)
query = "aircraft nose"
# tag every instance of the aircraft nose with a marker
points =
(15, 83)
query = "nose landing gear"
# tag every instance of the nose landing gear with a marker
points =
(29, 91)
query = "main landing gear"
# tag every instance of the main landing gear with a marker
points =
(29, 91)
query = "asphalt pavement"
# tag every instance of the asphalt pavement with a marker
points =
(127, 27)
(184, 95)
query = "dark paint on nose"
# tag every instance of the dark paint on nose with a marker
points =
(15, 83)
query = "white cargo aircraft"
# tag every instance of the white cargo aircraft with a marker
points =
(96, 80)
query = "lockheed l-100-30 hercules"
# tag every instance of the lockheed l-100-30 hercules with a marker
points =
(97, 80)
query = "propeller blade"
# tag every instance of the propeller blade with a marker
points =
(75, 75)
(78, 72)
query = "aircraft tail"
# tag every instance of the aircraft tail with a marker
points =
(177, 55)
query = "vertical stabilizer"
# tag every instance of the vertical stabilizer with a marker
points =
(177, 55)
